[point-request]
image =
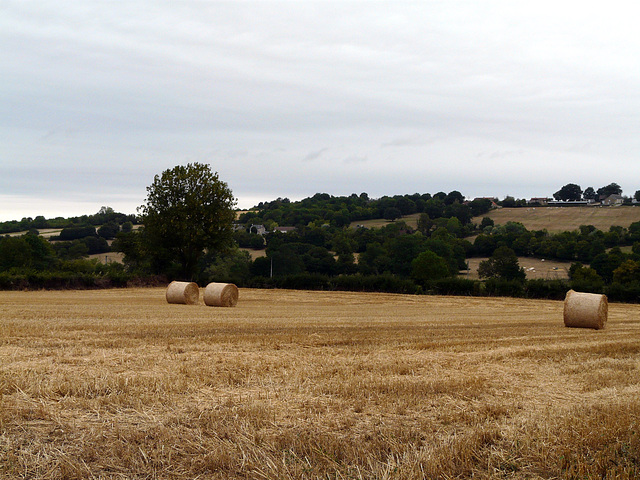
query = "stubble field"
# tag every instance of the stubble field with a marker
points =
(120, 384)
(562, 219)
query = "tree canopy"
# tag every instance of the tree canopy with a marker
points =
(590, 194)
(502, 264)
(611, 189)
(429, 266)
(570, 192)
(325, 245)
(188, 210)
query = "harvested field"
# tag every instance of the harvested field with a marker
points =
(289, 384)
(255, 253)
(108, 257)
(535, 268)
(45, 232)
(553, 219)
(561, 219)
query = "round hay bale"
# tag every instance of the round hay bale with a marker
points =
(221, 295)
(585, 310)
(186, 293)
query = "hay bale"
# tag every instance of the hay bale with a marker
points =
(186, 293)
(585, 310)
(221, 295)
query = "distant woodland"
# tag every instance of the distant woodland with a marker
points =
(320, 243)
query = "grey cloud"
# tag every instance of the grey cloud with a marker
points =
(314, 155)
(399, 142)
(260, 89)
(498, 154)
(356, 159)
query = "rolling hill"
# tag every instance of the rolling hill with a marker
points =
(560, 219)
(554, 219)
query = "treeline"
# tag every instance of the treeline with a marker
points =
(327, 249)
(396, 259)
(323, 242)
(105, 216)
(31, 261)
(324, 209)
(573, 192)
(586, 244)
(601, 262)
(59, 261)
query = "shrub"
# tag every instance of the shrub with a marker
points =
(303, 281)
(456, 286)
(71, 274)
(551, 289)
(504, 288)
(503, 264)
(96, 245)
(109, 230)
(374, 283)
(618, 292)
(428, 266)
(76, 233)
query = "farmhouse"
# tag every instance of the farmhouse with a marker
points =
(613, 200)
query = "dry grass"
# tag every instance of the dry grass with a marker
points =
(535, 268)
(45, 232)
(119, 384)
(108, 257)
(554, 219)
(411, 220)
(561, 219)
(255, 253)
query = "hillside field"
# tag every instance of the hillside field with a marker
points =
(560, 219)
(116, 384)
(535, 268)
(554, 219)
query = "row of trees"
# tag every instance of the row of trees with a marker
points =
(602, 251)
(31, 260)
(573, 192)
(188, 234)
(433, 253)
(324, 209)
(106, 215)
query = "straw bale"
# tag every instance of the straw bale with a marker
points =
(186, 293)
(585, 310)
(221, 295)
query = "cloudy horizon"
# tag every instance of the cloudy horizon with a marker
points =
(292, 98)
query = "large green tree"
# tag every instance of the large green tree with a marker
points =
(188, 211)
(570, 192)
(590, 194)
(428, 266)
(611, 189)
(502, 264)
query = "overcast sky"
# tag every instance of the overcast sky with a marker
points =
(287, 99)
